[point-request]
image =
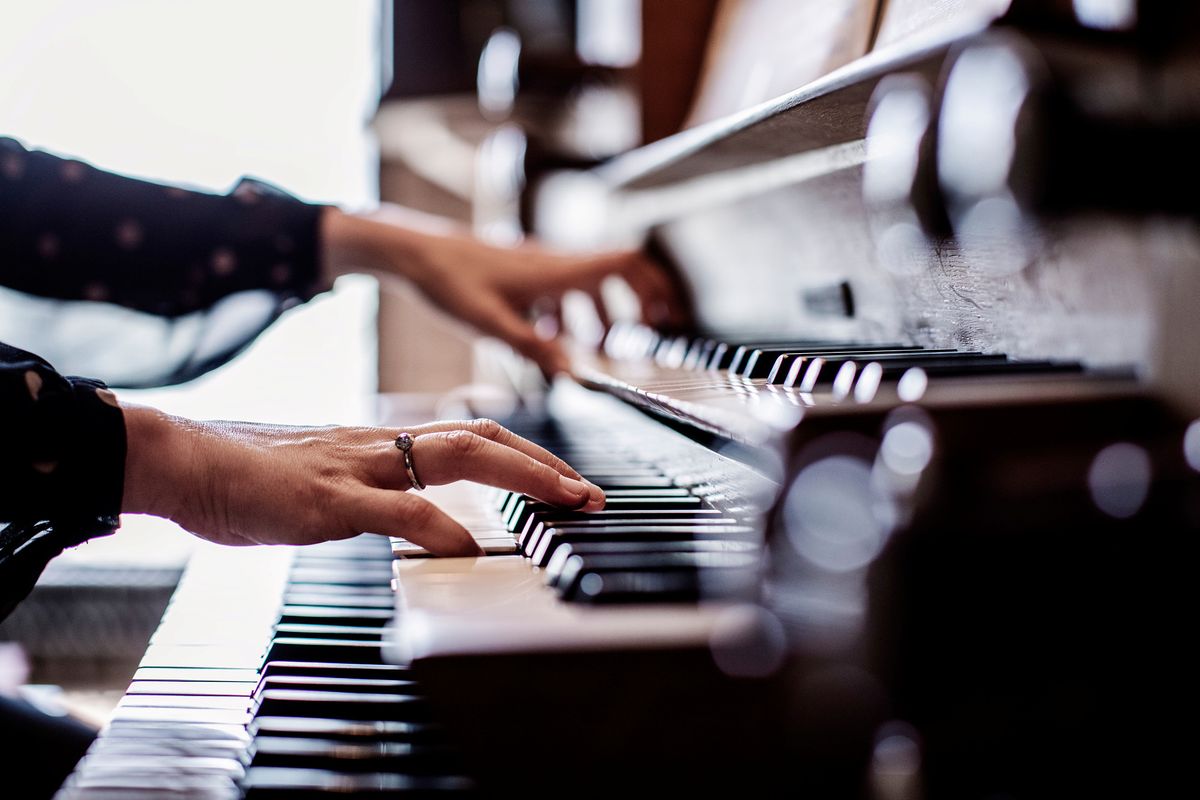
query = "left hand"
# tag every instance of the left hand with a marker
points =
(241, 483)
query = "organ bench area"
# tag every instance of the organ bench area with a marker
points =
(908, 514)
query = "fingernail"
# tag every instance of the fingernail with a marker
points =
(574, 487)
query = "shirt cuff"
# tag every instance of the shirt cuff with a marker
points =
(94, 454)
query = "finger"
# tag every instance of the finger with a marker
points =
(656, 295)
(419, 521)
(582, 271)
(661, 296)
(597, 297)
(490, 429)
(495, 317)
(441, 458)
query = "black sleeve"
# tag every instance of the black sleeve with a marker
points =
(74, 232)
(62, 467)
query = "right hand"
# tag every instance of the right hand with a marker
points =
(240, 483)
(491, 288)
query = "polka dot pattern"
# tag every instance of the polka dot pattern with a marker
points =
(78, 233)
(12, 166)
(224, 262)
(72, 171)
(48, 246)
(129, 234)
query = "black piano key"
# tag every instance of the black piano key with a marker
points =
(758, 362)
(289, 648)
(778, 367)
(336, 615)
(555, 537)
(373, 756)
(581, 569)
(699, 352)
(675, 491)
(725, 351)
(554, 567)
(607, 482)
(981, 368)
(639, 587)
(531, 533)
(681, 585)
(302, 784)
(523, 511)
(730, 354)
(821, 371)
(388, 706)
(333, 669)
(321, 631)
(319, 683)
(345, 730)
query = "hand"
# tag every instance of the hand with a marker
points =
(240, 483)
(492, 288)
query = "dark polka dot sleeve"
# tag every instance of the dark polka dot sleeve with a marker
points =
(74, 232)
(62, 467)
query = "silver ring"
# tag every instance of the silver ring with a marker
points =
(404, 443)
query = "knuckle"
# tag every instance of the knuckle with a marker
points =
(463, 444)
(487, 428)
(539, 474)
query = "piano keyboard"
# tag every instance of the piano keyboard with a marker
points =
(729, 386)
(265, 680)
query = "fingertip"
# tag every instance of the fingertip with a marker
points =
(576, 493)
(553, 361)
(465, 547)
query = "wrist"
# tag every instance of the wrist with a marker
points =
(356, 243)
(390, 241)
(157, 461)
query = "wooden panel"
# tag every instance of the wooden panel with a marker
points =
(761, 49)
(900, 19)
(674, 37)
(428, 151)
(828, 111)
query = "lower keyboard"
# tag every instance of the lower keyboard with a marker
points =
(265, 680)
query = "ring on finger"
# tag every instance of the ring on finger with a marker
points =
(404, 443)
